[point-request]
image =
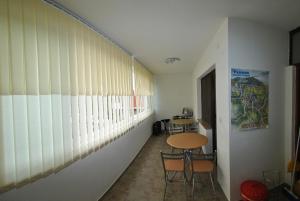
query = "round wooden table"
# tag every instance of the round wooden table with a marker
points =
(187, 141)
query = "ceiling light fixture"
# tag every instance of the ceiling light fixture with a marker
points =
(171, 60)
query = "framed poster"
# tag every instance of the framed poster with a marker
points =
(249, 99)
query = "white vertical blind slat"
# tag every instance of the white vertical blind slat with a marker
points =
(7, 137)
(73, 42)
(45, 88)
(89, 120)
(21, 138)
(55, 72)
(33, 101)
(89, 85)
(101, 121)
(81, 90)
(65, 89)
(95, 90)
(19, 102)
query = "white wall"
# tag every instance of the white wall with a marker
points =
(87, 179)
(173, 92)
(216, 54)
(260, 47)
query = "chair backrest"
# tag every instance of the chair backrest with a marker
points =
(173, 129)
(175, 159)
(201, 156)
(204, 157)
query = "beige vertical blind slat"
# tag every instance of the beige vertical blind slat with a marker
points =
(122, 74)
(5, 66)
(80, 60)
(72, 41)
(109, 68)
(99, 65)
(119, 69)
(102, 67)
(64, 56)
(30, 49)
(17, 47)
(43, 50)
(138, 75)
(54, 51)
(125, 74)
(116, 67)
(94, 65)
(105, 74)
(130, 77)
(114, 70)
(113, 74)
(106, 78)
(87, 63)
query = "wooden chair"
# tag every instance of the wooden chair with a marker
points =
(202, 164)
(173, 163)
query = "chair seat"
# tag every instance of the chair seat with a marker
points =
(203, 166)
(174, 165)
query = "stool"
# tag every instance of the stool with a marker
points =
(253, 191)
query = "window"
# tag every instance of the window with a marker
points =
(65, 90)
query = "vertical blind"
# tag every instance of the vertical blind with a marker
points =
(143, 90)
(65, 90)
(143, 80)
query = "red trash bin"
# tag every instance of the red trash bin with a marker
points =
(253, 191)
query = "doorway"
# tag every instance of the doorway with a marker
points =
(208, 104)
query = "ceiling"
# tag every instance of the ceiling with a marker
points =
(153, 30)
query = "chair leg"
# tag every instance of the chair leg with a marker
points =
(193, 187)
(201, 150)
(166, 184)
(212, 182)
(185, 188)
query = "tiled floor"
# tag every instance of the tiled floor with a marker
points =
(144, 180)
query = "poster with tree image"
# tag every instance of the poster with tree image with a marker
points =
(249, 99)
